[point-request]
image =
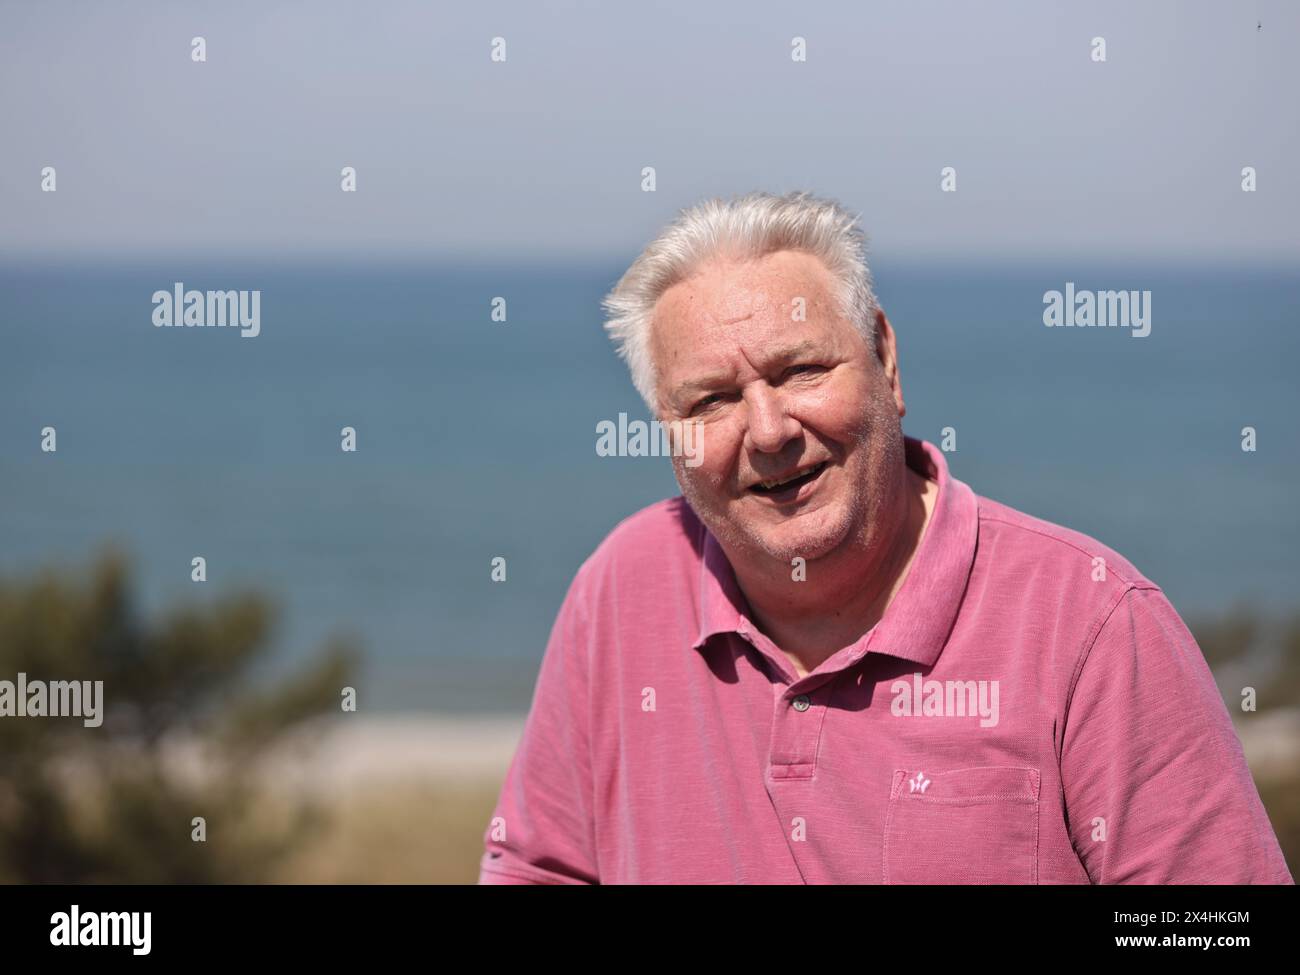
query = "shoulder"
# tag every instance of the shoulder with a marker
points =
(1027, 543)
(1085, 592)
(649, 547)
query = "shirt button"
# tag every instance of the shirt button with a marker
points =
(802, 703)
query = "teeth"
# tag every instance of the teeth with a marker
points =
(768, 485)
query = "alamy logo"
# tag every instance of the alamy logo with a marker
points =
(918, 784)
(234, 309)
(638, 438)
(945, 699)
(1122, 309)
(54, 699)
(129, 929)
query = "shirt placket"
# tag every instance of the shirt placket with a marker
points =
(799, 712)
(799, 708)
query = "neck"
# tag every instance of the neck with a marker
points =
(847, 591)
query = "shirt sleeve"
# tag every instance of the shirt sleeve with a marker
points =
(542, 829)
(1148, 748)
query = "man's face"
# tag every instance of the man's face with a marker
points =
(779, 394)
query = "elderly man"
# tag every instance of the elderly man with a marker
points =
(830, 661)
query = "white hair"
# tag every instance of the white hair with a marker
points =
(746, 227)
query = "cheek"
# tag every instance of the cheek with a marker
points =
(716, 471)
(842, 417)
(860, 405)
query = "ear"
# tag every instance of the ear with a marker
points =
(887, 353)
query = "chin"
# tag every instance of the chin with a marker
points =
(822, 533)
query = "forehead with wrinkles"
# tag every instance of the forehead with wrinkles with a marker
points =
(727, 291)
(741, 308)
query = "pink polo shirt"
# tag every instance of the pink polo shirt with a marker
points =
(1030, 709)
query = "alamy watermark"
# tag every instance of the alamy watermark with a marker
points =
(919, 698)
(654, 438)
(53, 699)
(233, 309)
(1110, 309)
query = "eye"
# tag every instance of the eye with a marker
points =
(803, 369)
(705, 403)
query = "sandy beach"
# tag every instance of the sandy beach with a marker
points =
(361, 752)
(355, 753)
(406, 798)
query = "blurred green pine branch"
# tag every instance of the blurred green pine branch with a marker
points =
(81, 804)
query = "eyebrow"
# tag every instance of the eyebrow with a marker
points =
(706, 384)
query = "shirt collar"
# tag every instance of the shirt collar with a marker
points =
(920, 617)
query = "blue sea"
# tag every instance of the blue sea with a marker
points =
(476, 439)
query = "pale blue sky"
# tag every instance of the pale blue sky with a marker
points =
(540, 157)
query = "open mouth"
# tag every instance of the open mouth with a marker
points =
(790, 485)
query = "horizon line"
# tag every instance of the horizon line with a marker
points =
(411, 259)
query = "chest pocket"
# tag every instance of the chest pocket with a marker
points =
(962, 826)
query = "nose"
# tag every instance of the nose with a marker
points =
(769, 426)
